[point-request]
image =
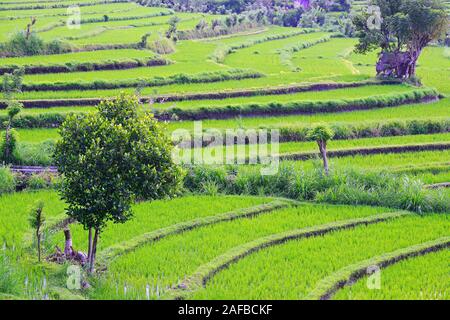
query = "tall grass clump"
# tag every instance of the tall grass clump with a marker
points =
(30, 44)
(345, 186)
(9, 283)
(35, 154)
(162, 46)
(7, 180)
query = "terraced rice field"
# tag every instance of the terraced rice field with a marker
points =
(249, 244)
(298, 265)
(429, 272)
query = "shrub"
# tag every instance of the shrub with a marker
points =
(57, 47)
(8, 146)
(21, 45)
(162, 46)
(210, 188)
(7, 180)
(37, 182)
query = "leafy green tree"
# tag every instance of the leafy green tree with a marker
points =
(322, 134)
(111, 158)
(401, 29)
(37, 221)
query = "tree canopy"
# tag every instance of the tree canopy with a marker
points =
(401, 29)
(404, 24)
(110, 158)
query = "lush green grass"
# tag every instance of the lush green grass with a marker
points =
(366, 143)
(160, 214)
(275, 80)
(347, 93)
(249, 38)
(134, 34)
(387, 162)
(244, 151)
(14, 213)
(192, 53)
(434, 68)
(37, 135)
(326, 60)
(8, 27)
(189, 54)
(166, 262)
(291, 271)
(51, 23)
(89, 30)
(101, 9)
(79, 57)
(47, 4)
(19, 261)
(287, 271)
(266, 57)
(377, 162)
(421, 278)
(435, 110)
(435, 177)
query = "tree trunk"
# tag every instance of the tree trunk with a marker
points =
(38, 237)
(413, 63)
(93, 252)
(68, 245)
(7, 142)
(323, 152)
(89, 244)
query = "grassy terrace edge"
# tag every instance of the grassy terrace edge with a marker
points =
(368, 151)
(350, 274)
(203, 77)
(206, 272)
(117, 64)
(112, 252)
(299, 107)
(278, 90)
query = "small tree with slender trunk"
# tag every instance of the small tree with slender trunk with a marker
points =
(11, 84)
(37, 220)
(322, 134)
(109, 159)
(171, 33)
(9, 141)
